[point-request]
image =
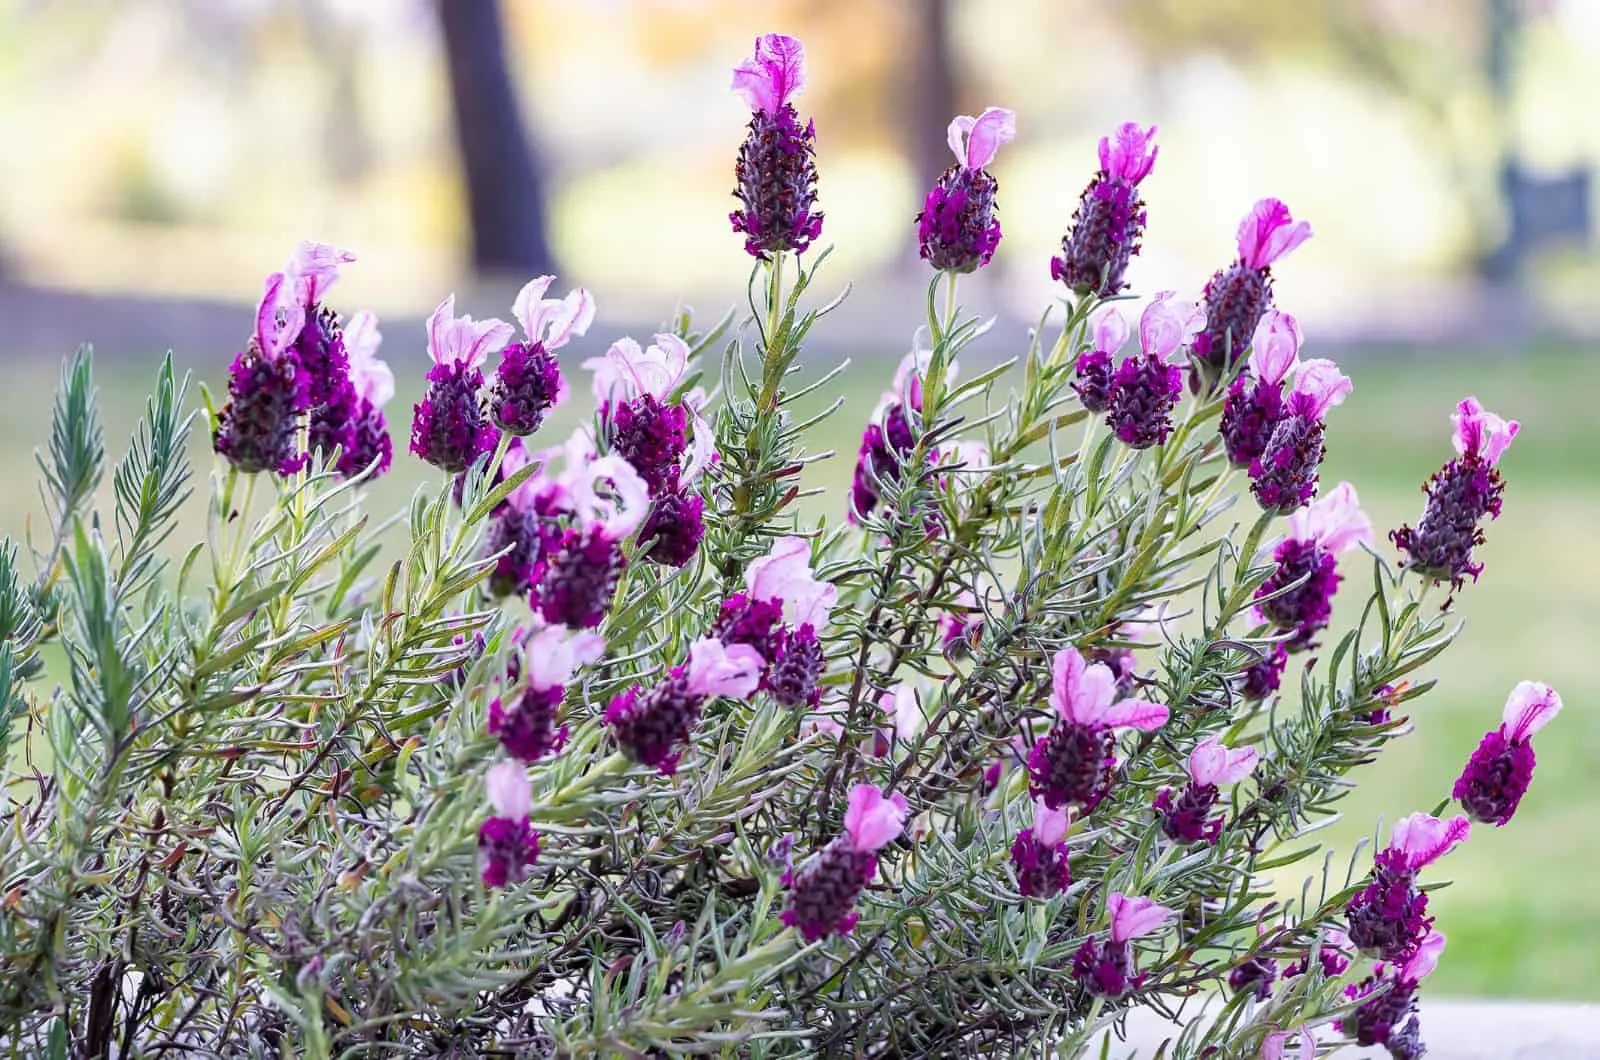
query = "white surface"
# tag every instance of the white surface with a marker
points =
(1452, 1030)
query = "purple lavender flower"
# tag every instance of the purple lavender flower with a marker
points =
(525, 530)
(1499, 772)
(267, 392)
(779, 614)
(1307, 561)
(576, 577)
(1254, 977)
(1262, 677)
(1332, 956)
(794, 678)
(650, 725)
(1110, 217)
(757, 623)
(675, 526)
(1459, 496)
(823, 893)
(1073, 764)
(1284, 477)
(957, 230)
(1237, 297)
(507, 844)
(888, 439)
(1105, 967)
(1186, 815)
(527, 726)
(1040, 856)
(642, 418)
(1255, 405)
(371, 386)
(1146, 387)
(1388, 917)
(449, 429)
(1386, 1014)
(528, 382)
(1095, 367)
(776, 172)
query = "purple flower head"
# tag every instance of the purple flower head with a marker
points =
(1040, 856)
(773, 75)
(267, 391)
(1131, 155)
(527, 726)
(1267, 233)
(675, 526)
(1094, 366)
(636, 389)
(1332, 955)
(1499, 772)
(1388, 917)
(957, 229)
(528, 381)
(1284, 477)
(650, 726)
(1186, 815)
(822, 895)
(1254, 976)
(1316, 534)
(507, 844)
(574, 582)
(1110, 218)
(1387, 1016)
(960, 626)
(1105, 968)
(794, 678)
(1255, 404)
(519, 538)
(1145, 388)
(449, 429)
(755, 623)
(372, 382)
(1262, 677)
(1459, 495)
(1074, 763)
(776, 172)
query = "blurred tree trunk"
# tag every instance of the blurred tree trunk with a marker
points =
(505, 188)
(933, 87)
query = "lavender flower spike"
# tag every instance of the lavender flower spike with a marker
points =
(1459, 496)
(1307, 573)
(1146, 387)
(776, 174)
(1094, 366)
(1284, 477)
(1255, 404)
(546, 661)
(1073, 765)
(577, 575)
(1499, 772)
(822, 895)
(957, 230)
(1040, 855)
(528, 383)
(449, 429)
(1184, 815)
(267, 391)
(1105, 968)
(1110, 217)
(372, 383)
(1237, 297)
(1388, 917)
(507, 844)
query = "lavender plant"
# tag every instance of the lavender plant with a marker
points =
(619, 756)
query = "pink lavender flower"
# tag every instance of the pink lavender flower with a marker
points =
(528, 382)
(372, 385)
(1298, 596)
(823, 893)
(545, 661)
(957, 230)
(448, 429)
(575, 578)
(529, 524)
(1184, 815)
(1499, 772)
(780, 614)
(1094, 366)
(642, 418)
(650, 726)
(1459, 495)
(888, 440)
(1255, 405)
(1387, 1016)
(1040, 856)
(1388, 917)
(1276, 1042)
(320, 348)
(1284, 476)
(1074, 763)
(507, 844)
(1105, 968)
(776, 174)
(1110, 218)
(1237, 297)
(267, 390)
(1146, 386)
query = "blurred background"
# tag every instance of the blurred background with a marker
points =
(161, 156)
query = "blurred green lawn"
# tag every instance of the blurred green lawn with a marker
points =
(1523, 915)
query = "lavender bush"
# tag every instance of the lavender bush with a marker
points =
(619, 758)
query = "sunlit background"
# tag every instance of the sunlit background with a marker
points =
(161, 156)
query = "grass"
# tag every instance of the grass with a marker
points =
(1523, 916)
